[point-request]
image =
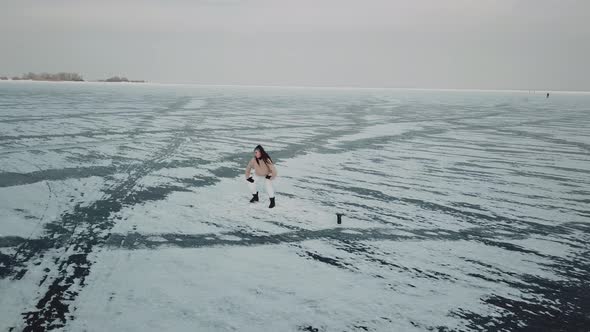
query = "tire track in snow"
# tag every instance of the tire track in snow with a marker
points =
(77, 234)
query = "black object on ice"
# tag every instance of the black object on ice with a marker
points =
(547, 94)
(254, 198)
(339, 216)
(272, 203)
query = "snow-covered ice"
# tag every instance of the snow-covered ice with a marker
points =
(124, 208)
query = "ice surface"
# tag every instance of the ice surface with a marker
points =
(124, 207)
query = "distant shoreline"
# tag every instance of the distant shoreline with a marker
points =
(68, 81)
(539, 92)
(63, 77)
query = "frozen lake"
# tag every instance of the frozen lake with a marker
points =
(124, 208)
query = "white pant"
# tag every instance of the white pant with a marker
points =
(267, 183)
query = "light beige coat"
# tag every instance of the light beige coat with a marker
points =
(261, 168)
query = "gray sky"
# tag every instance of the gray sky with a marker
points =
(495, 44)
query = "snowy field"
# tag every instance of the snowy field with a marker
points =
(124, 208)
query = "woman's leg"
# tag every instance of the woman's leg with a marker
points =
(253, 189)
(269, 188)
(252, 185)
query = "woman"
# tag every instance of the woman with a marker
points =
(264, 170)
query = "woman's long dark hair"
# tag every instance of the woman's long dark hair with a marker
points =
(263, 155)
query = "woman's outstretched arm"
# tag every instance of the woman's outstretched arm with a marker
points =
(273, 169)
(248, 169)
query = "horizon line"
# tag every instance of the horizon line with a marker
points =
(373, 88)
(307, 87)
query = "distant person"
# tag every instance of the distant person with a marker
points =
(264, 170)
(547, 94)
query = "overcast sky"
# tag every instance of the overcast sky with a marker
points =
(495, 44)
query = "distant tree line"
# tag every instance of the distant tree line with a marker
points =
(120, 79)
(64, 77)
(50, 77)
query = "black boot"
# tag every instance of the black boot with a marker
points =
(272, 203)
(254, 198)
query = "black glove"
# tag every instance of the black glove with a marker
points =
(268, 177)
(250, 179)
